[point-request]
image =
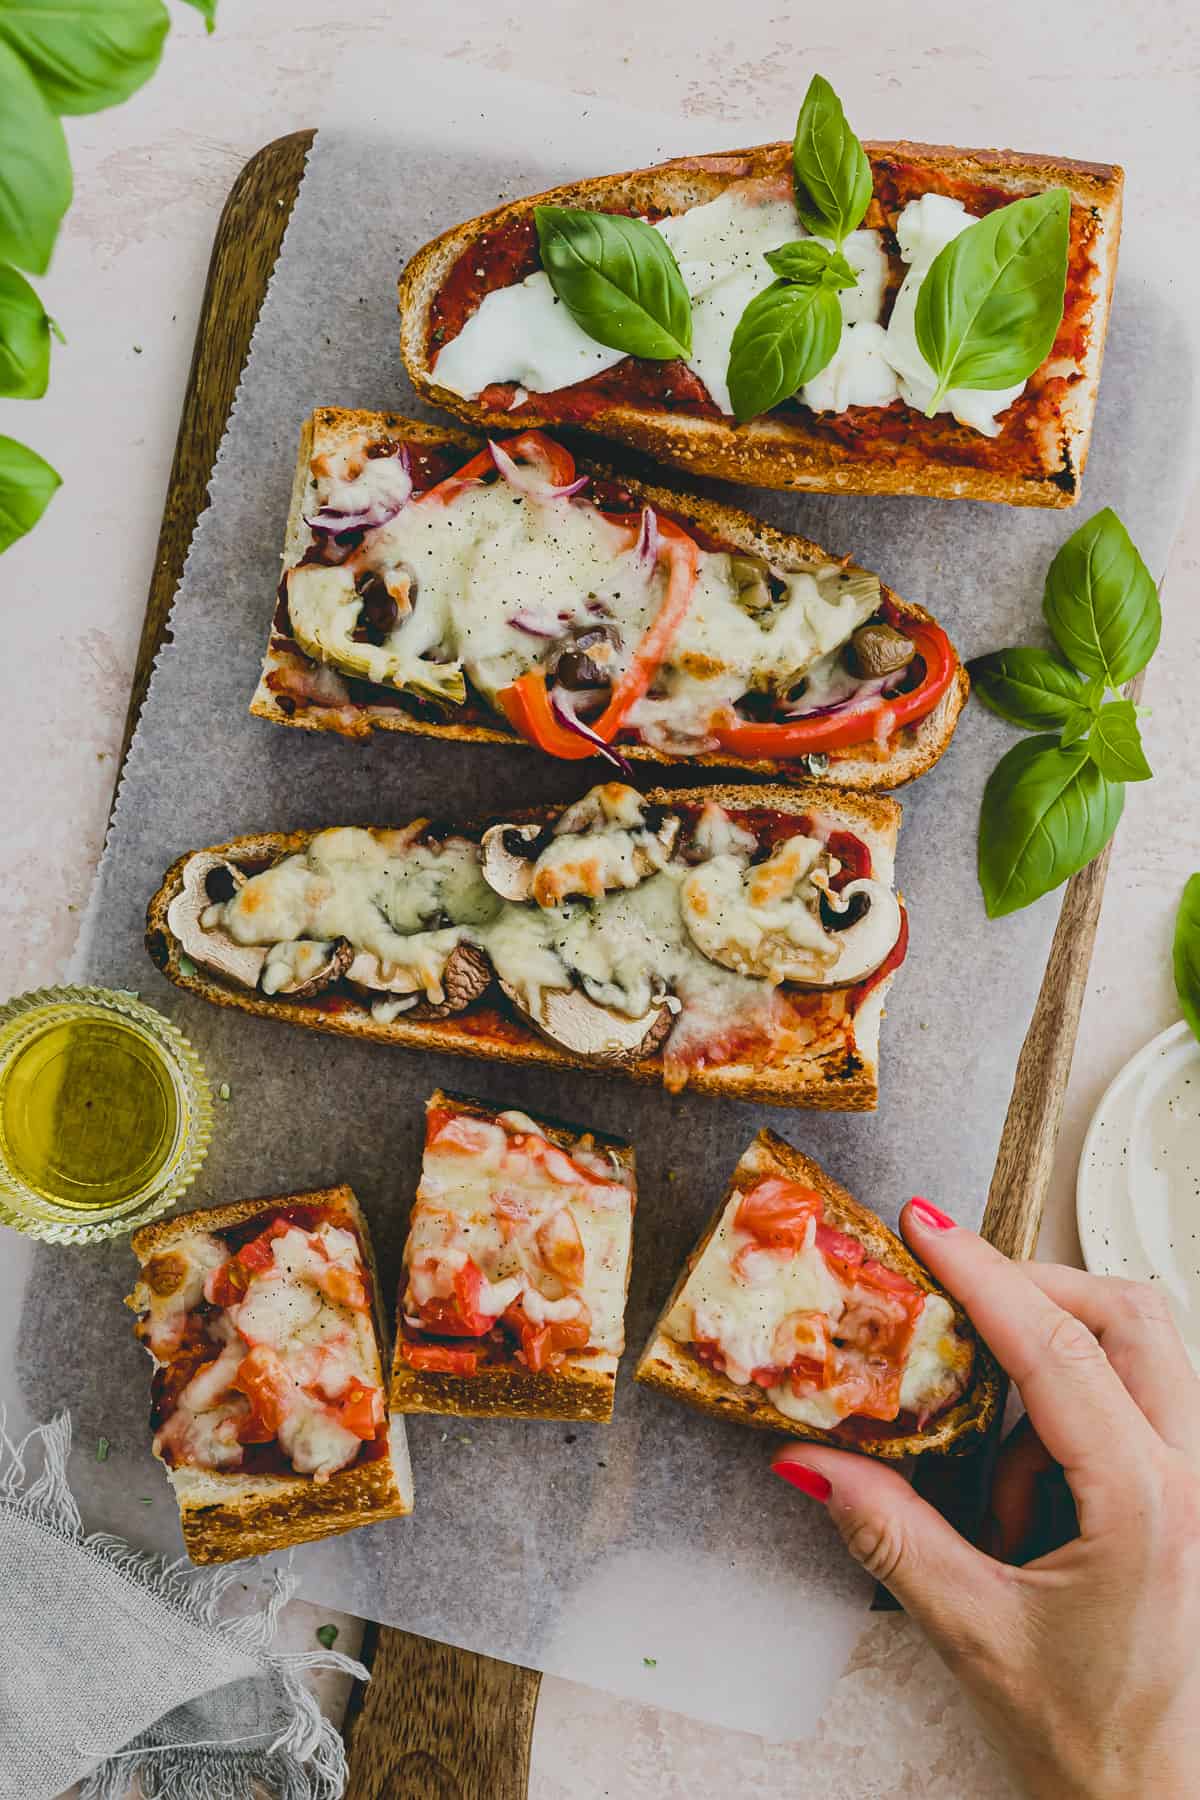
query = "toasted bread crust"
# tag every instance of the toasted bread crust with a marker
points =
(224, 1514)
(911, 752)
(835, 1082)
(583, 1385)
(669, 1367)
(779, 450)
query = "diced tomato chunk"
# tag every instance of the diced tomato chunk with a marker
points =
(543, 1346)
(443, 1359)
(459, 1317)
(346, 1286)
(843, 1253)
(561, 1247)
(778, 1212)
(267, 1385)
(227, 1285)
(360, 1410)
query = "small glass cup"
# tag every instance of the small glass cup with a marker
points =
(105, 1114)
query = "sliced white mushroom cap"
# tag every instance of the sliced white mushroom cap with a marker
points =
(206, 943)
(507, 869)
(566, 1016)
(303, 967)
(871, 937)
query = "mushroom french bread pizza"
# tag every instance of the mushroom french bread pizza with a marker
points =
(739, 940)
(500, 592)
(269, 1399)
(515, 1269)
(759, 315)
(800, 1311)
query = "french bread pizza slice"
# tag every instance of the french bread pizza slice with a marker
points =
(734, 940)
(791, 351)
(516, 1267)
(269, 1400)
(800, 1311)
(504, 593)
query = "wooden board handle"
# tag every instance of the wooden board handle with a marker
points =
(436, 1723)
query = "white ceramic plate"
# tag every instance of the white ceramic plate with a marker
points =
(1137, 1198)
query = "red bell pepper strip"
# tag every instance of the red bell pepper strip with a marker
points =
(530, 446)
(526, 702)
(802, 737)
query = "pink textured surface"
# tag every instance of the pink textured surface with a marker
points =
(150, 180)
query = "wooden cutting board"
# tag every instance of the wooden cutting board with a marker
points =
(437, 1723)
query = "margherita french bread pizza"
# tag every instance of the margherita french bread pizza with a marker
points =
(269, 1399)
(516, 1267)
(738, 940)
(495, 326)
(484, 593)
(799, 1311)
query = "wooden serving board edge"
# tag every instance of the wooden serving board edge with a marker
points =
(436, 1722)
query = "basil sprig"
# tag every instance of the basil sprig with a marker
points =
(832, 175)
(989, 308)
(1186, 953)
(1052, 803)
(789, 332)
(56, 57)
(618, 279)
(27, 485)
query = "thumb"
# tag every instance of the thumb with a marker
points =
(957, 1594)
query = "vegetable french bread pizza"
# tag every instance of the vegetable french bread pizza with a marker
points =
(483, 593)
(800, 1311)
(269, 1400)
(515, 1269)
(740, 940)
(895, 318)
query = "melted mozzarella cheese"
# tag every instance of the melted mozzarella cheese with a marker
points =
(925, 227)
(500, 1207)
(524, 334)
(764, 919)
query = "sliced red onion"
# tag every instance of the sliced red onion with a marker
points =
(368, 518)
(647, 544)
(536, 624)
(855, 702)
(566, 715)
(527, 481)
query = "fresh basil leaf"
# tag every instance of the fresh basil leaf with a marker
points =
(1029, 688)
(990, 307)
(1046, 813)
(27, 487)
(807, 261)
(1101, 602)
(786, 335)
(618, 280)
(833, 177)
(86, 54)
(1186, 953)
(24, 339)
(1115, 743)
(209, 10)
(35, 170)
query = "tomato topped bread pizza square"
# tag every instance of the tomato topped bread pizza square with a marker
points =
(799, 1311)
(269, 1403)
(516, 1267)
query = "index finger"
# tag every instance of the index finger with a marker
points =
(1077, 1402)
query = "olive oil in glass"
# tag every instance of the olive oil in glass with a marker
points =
(104, 1113)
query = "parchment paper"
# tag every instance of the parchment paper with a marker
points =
(654, 1557)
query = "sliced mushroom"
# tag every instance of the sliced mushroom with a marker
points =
(610, 839)
(508, 858)
(878, 649)
(566, 1016)
(468, 976)
(302, 968)
(208, 944)
(432, 992)
(866, 919)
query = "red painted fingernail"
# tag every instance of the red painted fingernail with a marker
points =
(807, 1480)
(931, 1215)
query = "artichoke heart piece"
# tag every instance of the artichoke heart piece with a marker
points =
(324, 606)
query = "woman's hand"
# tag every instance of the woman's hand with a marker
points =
(1084, 1665)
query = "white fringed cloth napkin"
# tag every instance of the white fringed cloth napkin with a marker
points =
(118, 1665)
